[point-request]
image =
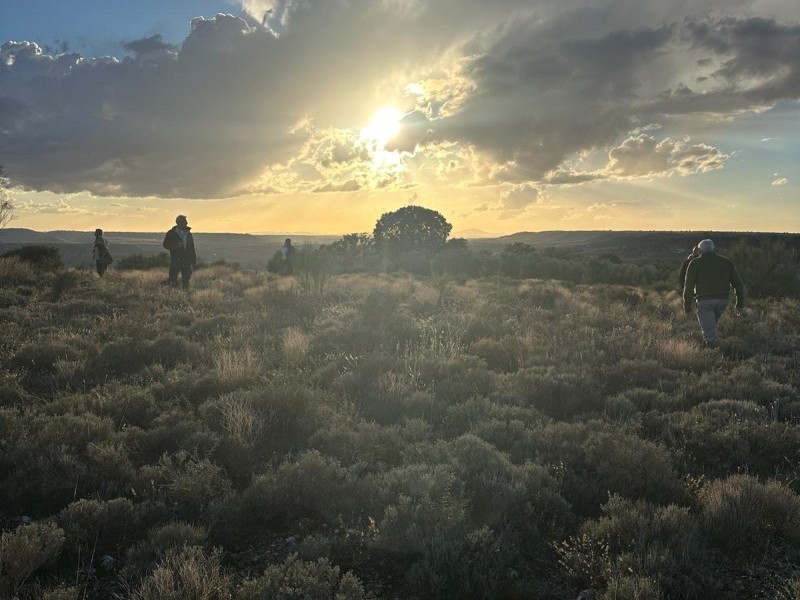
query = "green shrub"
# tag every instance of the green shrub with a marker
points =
(120, 357)
(475, 566)
(24, 550)
(169, 350)
(65, 281)
(502, 356)
(41, 258)
(160, 541)
(142, 262)
(559, 393)
(743, 516)
(61, 593)
(312, 487)
(626, 587)
(295, 579)
(43, 357)
(105, 526)
(16, 272)
(186, 573)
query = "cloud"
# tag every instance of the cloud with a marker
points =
(149, 45)
(520, 197)
(501, 92)
(780, 181)
(644, 156)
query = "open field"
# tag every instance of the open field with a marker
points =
(390, 436)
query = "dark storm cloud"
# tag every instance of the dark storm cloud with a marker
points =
(149, 45)
(524, 85)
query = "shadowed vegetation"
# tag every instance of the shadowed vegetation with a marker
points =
(355, 435)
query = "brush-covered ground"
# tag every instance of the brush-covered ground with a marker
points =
(384, 436)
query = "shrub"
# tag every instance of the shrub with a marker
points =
(312, 487)
(743, 516)
(62, 593)
(628, 587)
(169, 350)
(142, 262)
(41, 258)
(24, 550)
(193, 485)
(124, 356)
(294, 579)
(15, 271)
(63, 282)
(475, 566)
(93, 523)
(42, 357)
(186, 573)
(161, 540)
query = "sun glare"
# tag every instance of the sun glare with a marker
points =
(384, 126)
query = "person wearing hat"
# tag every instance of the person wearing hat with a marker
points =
(709, 279)
(182, 255)
(100, 254)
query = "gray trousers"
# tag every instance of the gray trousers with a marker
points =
(708, 314)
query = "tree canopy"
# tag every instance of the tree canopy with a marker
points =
(411, 228)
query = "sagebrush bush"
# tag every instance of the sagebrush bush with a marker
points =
(295, 578)
(312, 487)
(475, 566)
(160, 541)
(743, 516)
(41, 258)
(24, 550)
(186, 573)
(93, 524)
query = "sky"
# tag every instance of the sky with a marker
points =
(318, 116)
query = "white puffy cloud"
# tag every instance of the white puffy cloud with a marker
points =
(780, 181)
(643, 156)
(500, 92)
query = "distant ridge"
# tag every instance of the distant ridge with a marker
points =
(254, 250)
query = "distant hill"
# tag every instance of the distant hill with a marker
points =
(630, 245)
(253, 251)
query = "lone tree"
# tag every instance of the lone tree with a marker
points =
(411, 228)
(6, 203)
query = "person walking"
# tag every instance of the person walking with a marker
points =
(100, 254)
(709, 278)
(182, 255)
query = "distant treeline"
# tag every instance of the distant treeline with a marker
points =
(769, 267)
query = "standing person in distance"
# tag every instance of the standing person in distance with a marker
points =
(100, 254)
(182, 255)
(709, 279)
(287, 254)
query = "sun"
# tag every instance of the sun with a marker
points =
(384, 126)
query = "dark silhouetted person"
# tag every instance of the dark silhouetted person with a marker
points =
(682, 274)
(182, 256)
(709, 278)
(287, 255)
(100, 254)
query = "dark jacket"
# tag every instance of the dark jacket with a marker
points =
(710, 276)
(178, 254)
(684, 268)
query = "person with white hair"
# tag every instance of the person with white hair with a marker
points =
(709, 279)
(182, 255)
